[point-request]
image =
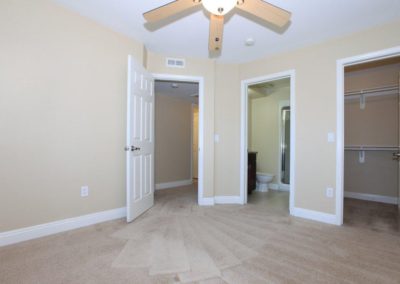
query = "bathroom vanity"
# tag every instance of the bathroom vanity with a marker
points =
(251, 171)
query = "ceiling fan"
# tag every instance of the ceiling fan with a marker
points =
(217, 9)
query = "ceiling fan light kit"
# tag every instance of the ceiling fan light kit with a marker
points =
(218, 8)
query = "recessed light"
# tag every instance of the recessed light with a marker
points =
(249, 41)
(174, 85)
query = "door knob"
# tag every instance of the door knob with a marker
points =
(396, 156)
(132, 148)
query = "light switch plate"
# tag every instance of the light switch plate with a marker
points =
(216, 138)
(84, 191)
(331, 137)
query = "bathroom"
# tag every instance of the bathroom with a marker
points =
(269, 143)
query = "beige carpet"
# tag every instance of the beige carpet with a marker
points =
(177, 241)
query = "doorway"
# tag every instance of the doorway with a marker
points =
(371, 161)
(179, 132)
(267, 140)
(368, 141)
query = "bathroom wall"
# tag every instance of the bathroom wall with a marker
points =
(377, 124)
(264, 127)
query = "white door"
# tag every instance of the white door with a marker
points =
(140, 141)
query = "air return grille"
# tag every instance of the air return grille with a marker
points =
(175, 62)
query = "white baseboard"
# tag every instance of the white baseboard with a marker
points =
(228, 200)
(171, 184)
(209, 201)
(206, 201)
(372, 197)
(279, 187)
(284, 187)
(273, 186)
(314, 215)
(29, 233)
(261, 190)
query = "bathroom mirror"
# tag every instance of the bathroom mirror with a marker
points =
(285, 145)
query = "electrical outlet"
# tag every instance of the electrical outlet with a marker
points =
(84, 191)
(329, 192)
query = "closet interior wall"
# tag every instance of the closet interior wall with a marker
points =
(371, 120)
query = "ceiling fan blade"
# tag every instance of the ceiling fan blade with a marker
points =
(169, 9)
(265, 11)
(216, 32)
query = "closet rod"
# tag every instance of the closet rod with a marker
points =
(371, 148)
(373, 90)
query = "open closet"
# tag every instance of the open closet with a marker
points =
(371, 160)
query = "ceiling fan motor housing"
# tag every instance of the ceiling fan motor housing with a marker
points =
(219, 7)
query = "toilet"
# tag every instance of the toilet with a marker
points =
(263, 179)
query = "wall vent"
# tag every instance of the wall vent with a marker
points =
(175, 62)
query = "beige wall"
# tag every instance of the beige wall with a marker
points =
(264, 113)
(173, 140)
(227, 127)
(315, 105)
(376, 125)
(199, 68)
(378, 175)
(62, 114)
(195, 141)
(372, 78)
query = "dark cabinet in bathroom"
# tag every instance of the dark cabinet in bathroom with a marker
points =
(251, 171)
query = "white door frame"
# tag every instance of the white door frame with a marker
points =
(340, 65)
(200, 81)
(244, 131)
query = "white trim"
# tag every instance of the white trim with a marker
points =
(172, 184)
(128, 136)
(243, 131)
(340, 64)
(371, 197)
(273, 186)
(200, 81)
(279, 186)
(29, 233)
(262, 190)
(228, 200)
(314, 215)
(206, 201)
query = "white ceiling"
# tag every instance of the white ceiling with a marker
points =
(187, 36)
(267, 88)
(187, 91)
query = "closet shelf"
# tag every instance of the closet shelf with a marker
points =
(373, 92)
(371, 148)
